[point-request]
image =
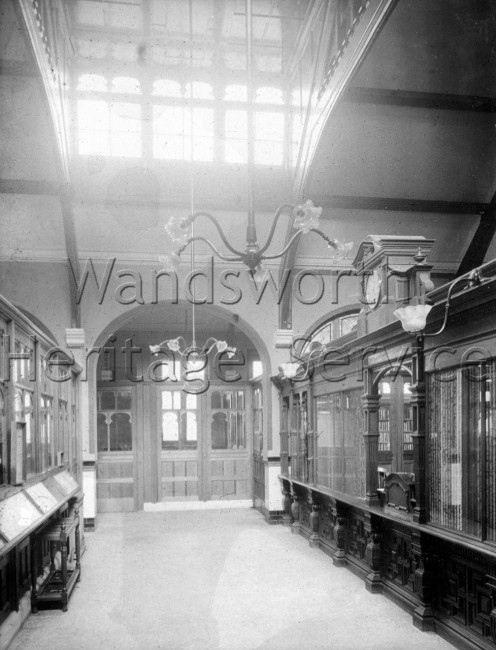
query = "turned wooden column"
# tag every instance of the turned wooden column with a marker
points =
(370, 403)
(295, 511)
(284, 453)
(314, 539)
(286, 504)
(423, 616)
(34, 574)
(373, 553)
(491, 584)
(418, 435)
(339, 533)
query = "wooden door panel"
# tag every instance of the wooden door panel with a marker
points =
(229, 476)
(115, 483)
(179, 476)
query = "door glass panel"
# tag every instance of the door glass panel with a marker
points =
(124, 400)
(107, 401)
(228, 420)
(191, 428)
(170, 428)
(114, 421)
(179, 420)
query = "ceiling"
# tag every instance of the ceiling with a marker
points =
(409, 149)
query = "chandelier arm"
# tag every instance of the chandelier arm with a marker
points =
(280, 210)
(217, 225)
(226, 258)
(285, 249)
(331, 242)
(448, 304)
(206, 347)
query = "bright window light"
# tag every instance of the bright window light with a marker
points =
(269, 137)
(109, 129)
(167, 88)
(126, 85)
(171, 133)
(92, 82)
(235, 93)
(256, 368)
(268, 95)
(236, 144)
(200, 90)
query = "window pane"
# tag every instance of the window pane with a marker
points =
(269, 126)
(166, 399)
(125, 85)
(102, 436)
(107, 401)
(268, 95)
(167, 88)
(268, 153)
(170, 427)
(92, 82)
(235, 93)
(200, 90)
(93, 114)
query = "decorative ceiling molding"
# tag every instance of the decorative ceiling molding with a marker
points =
(321, 105)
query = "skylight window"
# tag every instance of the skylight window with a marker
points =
(126, 85)
(172, 133)
(236, 93)
(269, 138)
(166, 88)
(92, 82)
(109, 128)
(236, 141)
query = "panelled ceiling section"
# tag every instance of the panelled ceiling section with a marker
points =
(122, 202)
(31, 222)
(416, 128)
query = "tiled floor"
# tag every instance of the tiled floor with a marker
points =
(205, 580)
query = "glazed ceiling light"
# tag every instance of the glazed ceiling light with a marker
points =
(305, 217)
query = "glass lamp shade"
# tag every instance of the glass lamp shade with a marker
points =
(413, 318)
(196, 361)
(290, 369)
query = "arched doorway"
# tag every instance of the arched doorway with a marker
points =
(164, 433)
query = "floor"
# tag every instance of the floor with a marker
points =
(205, 580)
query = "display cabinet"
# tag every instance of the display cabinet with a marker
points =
(60, 581)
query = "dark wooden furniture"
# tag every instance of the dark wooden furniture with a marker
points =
(58, 585)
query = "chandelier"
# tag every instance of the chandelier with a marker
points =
(305, 217)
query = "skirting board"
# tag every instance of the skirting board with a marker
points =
(196, 505)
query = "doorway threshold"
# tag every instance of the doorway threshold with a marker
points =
(164, 506)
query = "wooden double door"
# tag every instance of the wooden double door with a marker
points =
(203, 445)
(178, 446)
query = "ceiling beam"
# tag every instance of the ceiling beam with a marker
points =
(390, 204)
(414, 99)
(478, 247)
(26, 186)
